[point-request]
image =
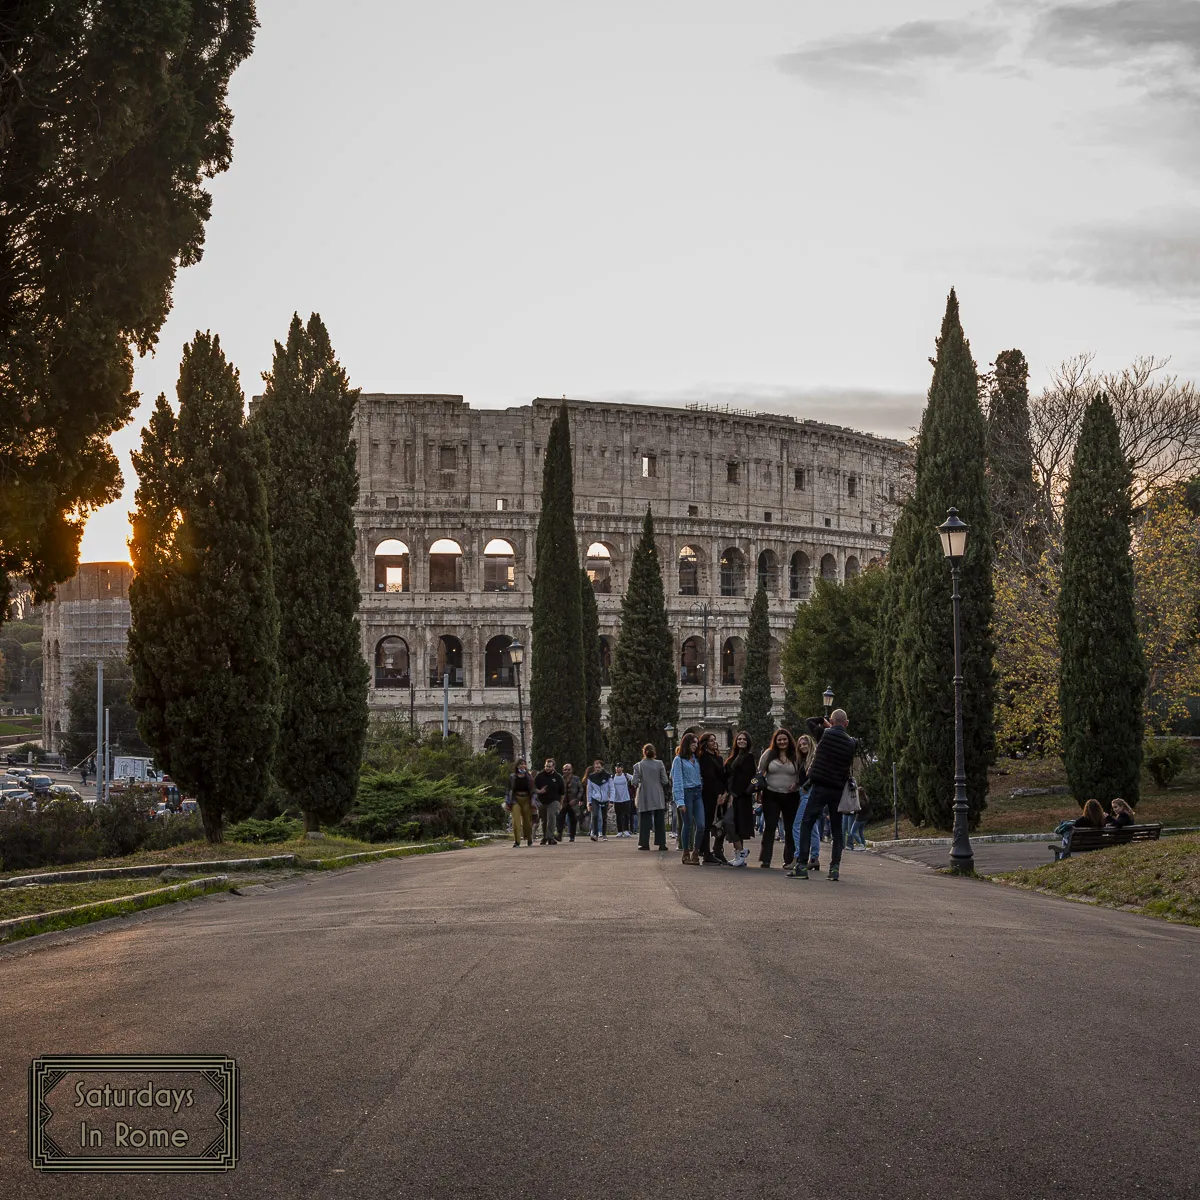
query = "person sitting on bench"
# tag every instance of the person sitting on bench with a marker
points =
(1122, 815)
(1092, 816)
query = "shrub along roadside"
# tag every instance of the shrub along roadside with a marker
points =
(404, 805)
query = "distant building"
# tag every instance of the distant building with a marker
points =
(88, 620)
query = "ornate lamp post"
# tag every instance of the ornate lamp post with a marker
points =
(953, 533)
(827, 696)
(701, 610)
(516, 655)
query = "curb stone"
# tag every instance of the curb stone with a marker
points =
(146, 869)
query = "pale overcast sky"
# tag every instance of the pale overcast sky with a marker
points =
(763, 201)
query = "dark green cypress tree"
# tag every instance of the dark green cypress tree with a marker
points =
(557, 701)
(1102, 680)
(204, 620)
(1011, 490)
(307, 416)
(591, 667)
(950, 473)
(754, 714)
(644, 698)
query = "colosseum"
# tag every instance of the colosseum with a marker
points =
(448, 511)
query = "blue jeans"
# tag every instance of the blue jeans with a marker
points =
(856, 832)
(847, 825)
(815, 852)
(693, 818)
(598, 813)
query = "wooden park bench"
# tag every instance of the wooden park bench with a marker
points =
(1082, 840)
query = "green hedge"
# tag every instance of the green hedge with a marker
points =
(403, 805)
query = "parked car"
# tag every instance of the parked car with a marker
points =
(40, 785)
(14, 797)
(190, 807)
(64, 791)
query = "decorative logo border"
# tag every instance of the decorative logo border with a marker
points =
(218, 1071)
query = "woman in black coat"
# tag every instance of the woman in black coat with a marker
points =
(712, 779)
(740, 768)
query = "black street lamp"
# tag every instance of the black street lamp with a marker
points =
(701, 610)
(953, 533)
(516, 655)
(827, 696)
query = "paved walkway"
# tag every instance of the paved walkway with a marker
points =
(990, 857)
(590, 1021)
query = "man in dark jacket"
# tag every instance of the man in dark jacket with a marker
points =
(828, 774)
(549, 787)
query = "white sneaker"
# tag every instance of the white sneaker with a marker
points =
(739, 859)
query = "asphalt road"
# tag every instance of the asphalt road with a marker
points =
(590, 1021)
(990, 857)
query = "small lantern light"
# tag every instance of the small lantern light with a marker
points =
(954, 537)
(827, 696)
(516, 652)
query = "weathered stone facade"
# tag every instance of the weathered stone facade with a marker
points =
(747, 494)
(88, 620)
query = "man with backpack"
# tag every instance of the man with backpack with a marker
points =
(828, 774)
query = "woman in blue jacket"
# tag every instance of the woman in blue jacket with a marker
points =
(688, 787)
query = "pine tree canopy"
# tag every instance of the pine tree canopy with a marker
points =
(306, 415)
(557, 701)
(1102, 677)
(754, 715)
(591, 667)
(111, 115)
(918, 617)
(644, 697)
(204, 621)
(1011, 490)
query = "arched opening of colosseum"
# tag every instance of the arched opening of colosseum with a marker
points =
(733, 662)
(497, 666)
(829, 568)
(733, 572)
(689, 571)
(606, 651)
(691, 662)
(799, 576)
(852, 567)
(774, 674)
(391, 566)
(391, 663)
(599, 568)
(768, 572)
(499, 566)
(445, 566)
(449, 661)
(501, 744)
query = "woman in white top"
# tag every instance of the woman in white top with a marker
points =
(621, 798)
(786, 774)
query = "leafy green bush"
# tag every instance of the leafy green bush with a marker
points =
(259, 832)
(405, 805)
(392, 747)
(1164, 758)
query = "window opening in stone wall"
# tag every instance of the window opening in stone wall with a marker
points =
(851, 487)
(691, 662)
(799, 576)
(649, 466)
(693, 510)
(599, 568)
(447, 458)
(829, 567)
(733, 572)
(768, 572)
(852, 567)
(391, 663)
(828, 522)
(501, 744)
(605, 661)
(391, 566)
(449, 662)
(767, 517)
(391, 502)
(733, 662)
(732, 472)
(445, 566)
(501, 505)
(689, 572)
(499, 566)
(798, 479)
(603, 506)
(891, 493)
(498, 668)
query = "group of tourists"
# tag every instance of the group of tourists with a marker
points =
(791, 789)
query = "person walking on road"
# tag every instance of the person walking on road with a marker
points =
(739, 772)
(573, 802)
(549, 787)
(688, 786)
(783, 768)
(829, 774)
(599, 793)
(712, 782)
(859, 823)
(621, 796)
(520, 794)
(650, 786)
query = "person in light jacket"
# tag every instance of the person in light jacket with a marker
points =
(621, 797)
(650, 786)
(688, 786)
(599, 793)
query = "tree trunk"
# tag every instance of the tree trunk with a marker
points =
(212, 818)
(312, 823)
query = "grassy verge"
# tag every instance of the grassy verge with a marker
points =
(22, 901)
(1159, 879)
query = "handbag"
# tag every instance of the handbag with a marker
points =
(849, 801)
(758, 783)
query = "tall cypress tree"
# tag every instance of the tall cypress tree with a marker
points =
(307, 416)
(754, 715)
(204, 622)
(950, 472)
(557, 703)
(591, 668)
(1011, 490)
(1102, 681)
(644, 698)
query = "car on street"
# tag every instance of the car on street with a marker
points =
(14, 797)
(40, 785)
(64, 791)
(189, 808)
